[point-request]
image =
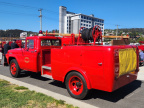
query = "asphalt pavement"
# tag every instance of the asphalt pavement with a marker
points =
(129, 96)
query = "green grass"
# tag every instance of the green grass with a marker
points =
(13, 96)
(20, 88)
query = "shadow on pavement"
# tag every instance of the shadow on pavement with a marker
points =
(33, 75)
(93, 94)
(116, 95)
(39, 77)
(58, 84)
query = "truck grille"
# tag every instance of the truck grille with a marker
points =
(127, 60)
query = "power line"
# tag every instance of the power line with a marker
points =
(16, 5)
(25, 6)
(17, 13)
(26, 14)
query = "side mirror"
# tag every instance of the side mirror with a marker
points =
(27, 48)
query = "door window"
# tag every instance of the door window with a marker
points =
(30, 44)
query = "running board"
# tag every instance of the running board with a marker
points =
(47, 76)
(46, 67)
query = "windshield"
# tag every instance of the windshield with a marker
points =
(50, 42)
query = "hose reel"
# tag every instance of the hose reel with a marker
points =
(93, 34)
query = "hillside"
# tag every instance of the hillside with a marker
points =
(132, 32)
(13, 33)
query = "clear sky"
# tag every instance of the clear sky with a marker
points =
(23, 14)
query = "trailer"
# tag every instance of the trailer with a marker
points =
(81, 62)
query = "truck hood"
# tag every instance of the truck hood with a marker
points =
(15, 51)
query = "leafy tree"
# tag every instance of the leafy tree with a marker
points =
(140, 39)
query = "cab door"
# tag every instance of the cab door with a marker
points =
(30, 56)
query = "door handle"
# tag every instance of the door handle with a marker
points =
(99, 63)
(33, 51)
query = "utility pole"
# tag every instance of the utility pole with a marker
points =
(117, 31)
(40, 18)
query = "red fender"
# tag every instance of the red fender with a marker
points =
(81, 72)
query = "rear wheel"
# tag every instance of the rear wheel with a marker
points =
(76, 85)
(14, 68)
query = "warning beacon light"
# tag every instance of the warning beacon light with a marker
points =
(40, 33)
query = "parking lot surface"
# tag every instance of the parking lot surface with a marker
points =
(129, 96)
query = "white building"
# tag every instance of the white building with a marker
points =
(70, 22)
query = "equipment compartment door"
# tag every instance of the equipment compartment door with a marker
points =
(93, 64)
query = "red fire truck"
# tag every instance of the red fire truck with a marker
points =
(82, 62)
(141, 46)
(19, 42)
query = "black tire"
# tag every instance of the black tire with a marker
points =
(14, 68)
(80, 91)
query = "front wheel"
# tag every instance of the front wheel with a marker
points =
(76, 85)
(14, 68)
